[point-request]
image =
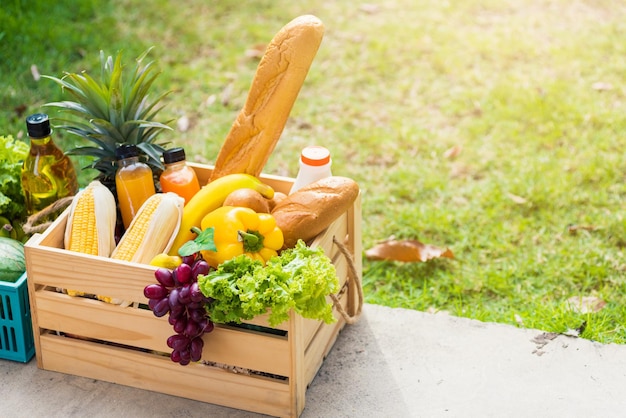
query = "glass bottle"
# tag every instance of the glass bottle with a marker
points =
(178, 177)
(315, 165)
(47, 173)
(133, 181)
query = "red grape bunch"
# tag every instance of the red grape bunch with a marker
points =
(177, 293)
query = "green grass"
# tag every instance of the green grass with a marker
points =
(392, 88)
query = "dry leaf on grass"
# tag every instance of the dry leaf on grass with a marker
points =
(453, 152)
(407, 251)
(227, 94)
(183, 123)
(35, 72)
(602, 86)
(516, 199)
(256, 51)
(586, 304)
(575, 332)
(19, 111)
(573, 229)
(369, 8)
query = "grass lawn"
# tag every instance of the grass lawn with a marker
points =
(530, 93)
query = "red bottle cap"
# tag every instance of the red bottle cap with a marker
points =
(315, 155)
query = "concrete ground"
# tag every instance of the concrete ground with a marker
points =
(392, 363)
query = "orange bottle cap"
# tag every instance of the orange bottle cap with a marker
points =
(315, 155)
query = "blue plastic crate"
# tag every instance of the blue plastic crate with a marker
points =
(16, 331)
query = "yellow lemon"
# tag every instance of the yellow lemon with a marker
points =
(166, 260)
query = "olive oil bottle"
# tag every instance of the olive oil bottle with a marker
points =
(47, 173)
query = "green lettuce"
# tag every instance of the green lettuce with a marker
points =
(12, 154)
(300, 278)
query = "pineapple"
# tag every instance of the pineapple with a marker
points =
(112, 111)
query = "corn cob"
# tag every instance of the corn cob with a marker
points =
(90, 227)
(91, 223)
(153, 229)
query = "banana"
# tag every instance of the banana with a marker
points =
(210, 197)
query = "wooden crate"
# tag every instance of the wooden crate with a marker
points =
(255, 368)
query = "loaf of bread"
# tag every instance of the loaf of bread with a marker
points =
(308, 211)
(275, 87)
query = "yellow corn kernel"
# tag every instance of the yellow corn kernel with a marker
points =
(83, 238)
(112, 300)
(90, 227)
(152, 230)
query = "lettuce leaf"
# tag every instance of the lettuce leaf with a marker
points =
(300, 278)
(12, 154)
(312, 277)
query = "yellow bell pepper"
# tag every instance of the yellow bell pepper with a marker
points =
(239, 230)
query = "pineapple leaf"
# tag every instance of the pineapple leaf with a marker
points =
(138, 86)
(140, 89)
(106, 168)
(88, 151)
(103, 142)
(138, 78)
(95, 98)
(150, 134)
(154, 152)
(65, 86)
(88, 131)
(154, 112)
(113, 109)
(144, 54)
(77, 108)
(116, 91)
(105, 127)
(151, 111)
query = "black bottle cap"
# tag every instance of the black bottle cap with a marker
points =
(38, 125)
(126, 151)
(174, 155)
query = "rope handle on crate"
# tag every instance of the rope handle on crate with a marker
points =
(39, 221)
(353, 277)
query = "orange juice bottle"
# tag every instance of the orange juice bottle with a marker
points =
(178, 177)
(133, 181)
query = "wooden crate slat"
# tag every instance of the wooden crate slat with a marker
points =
(262, 320)
(249, 349)
(93, 319)
(151, 372)
(90, 274)
(355, 248)
(337, 229)
(98, 320)
(321, 344)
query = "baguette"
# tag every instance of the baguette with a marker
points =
(308, 211)
(275, 87)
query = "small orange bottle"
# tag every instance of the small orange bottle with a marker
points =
(178, 177)
(133, 181)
